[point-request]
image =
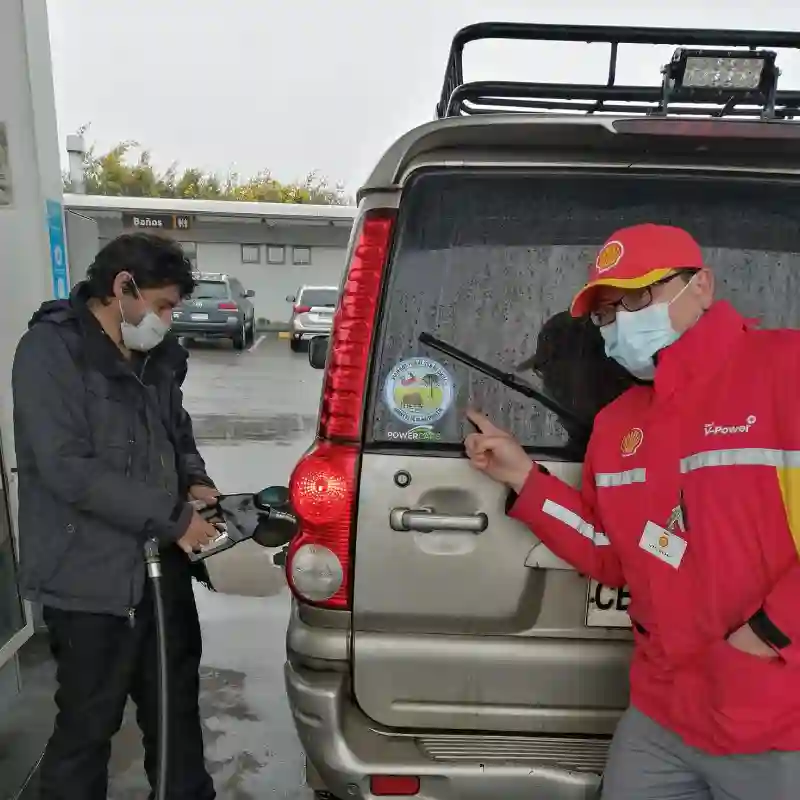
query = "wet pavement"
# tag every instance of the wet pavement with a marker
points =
(254, 415)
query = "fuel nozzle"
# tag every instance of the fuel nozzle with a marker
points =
(152, 558)
(248, 516)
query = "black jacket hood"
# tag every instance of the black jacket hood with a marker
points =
(59, 311)
(75, 313)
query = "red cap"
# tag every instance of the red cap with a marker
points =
(636, 257)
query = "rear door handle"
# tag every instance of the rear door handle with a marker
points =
(428, 521)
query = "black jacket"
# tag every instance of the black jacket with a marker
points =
(105, 457)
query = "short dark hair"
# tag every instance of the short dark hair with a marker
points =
(153, 261)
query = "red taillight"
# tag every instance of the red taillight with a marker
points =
(324, 482)
(708, 128)
(394, 785)
(353, 326)
(323, 494)
(302, 309)
(227, 306)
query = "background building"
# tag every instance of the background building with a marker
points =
(273, 248)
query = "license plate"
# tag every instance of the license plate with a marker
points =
(607, 607)
(200, 317)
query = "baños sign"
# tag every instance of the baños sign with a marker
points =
(156, 222)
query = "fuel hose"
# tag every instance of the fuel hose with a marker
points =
(152, 559)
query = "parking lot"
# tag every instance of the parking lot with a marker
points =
(254, 415)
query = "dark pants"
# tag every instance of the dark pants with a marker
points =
(101, 661)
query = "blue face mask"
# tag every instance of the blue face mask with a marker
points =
(636, 336)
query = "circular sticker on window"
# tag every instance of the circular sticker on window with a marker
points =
(418, 391)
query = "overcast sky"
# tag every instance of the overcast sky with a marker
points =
(296, 85)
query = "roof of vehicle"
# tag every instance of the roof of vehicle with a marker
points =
(211, 277)
(325, 288)
(558, 118)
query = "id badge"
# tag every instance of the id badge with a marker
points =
(663, 544)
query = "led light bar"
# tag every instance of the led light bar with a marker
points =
(713, 72)
(733, 72)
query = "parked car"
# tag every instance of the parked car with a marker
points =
(435, 647)
(312, 313)
(219, 308)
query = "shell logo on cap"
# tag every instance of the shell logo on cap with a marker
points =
(631, 441)
(609, 256)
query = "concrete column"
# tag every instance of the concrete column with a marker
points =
(33, 264)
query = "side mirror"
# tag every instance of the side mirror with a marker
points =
(318, 351)
(290, 298)
(249, 293)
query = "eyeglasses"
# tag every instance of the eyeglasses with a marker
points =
(630, 301)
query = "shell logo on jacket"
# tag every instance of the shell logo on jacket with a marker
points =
(691, 498)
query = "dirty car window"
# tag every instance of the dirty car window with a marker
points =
(484, 260)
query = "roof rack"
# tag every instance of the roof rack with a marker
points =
(490, 97)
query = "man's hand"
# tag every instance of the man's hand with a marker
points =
(496, 453)
(205, 494)
(198, 535)
(746, 640)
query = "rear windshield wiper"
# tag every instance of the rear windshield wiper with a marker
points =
(507, 379)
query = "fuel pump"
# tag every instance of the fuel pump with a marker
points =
(264, 517)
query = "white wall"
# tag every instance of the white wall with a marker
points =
(82, 242)
(27, 108)
(272, 282)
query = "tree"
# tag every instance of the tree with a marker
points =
(432, 381)
(117, 173)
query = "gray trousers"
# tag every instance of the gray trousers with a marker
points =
(647, 762)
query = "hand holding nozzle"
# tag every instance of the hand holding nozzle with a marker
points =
(205, 527)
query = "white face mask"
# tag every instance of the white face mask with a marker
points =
(146, 334)
(634, 338)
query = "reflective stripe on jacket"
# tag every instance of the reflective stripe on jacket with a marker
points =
(711, 453)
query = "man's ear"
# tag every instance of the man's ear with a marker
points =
(704, 285)
(123, 284)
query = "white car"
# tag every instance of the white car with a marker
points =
(312, 313)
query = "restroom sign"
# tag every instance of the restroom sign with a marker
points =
(157, 222)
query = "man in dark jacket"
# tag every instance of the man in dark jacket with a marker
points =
(107, 460)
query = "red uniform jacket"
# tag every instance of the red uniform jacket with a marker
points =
(711, 453)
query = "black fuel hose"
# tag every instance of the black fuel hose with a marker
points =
(152, 559)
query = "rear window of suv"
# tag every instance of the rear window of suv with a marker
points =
(318, 298)
(483, 260)
(210, 290)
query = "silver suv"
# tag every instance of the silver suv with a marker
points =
(436, 648)
(312, 313)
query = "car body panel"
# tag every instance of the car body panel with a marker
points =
(467, 659)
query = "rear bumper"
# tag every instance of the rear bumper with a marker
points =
(345, 748)
(211, 330)
(299, 329)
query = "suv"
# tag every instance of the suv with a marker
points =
(312, 313)
(219, 308)
(436, 648)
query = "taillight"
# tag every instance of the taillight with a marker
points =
(712, 128)
(323, 496)
(227, 306)
(324, 483)
(302, 309)
(343, 393)
(394, 785)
